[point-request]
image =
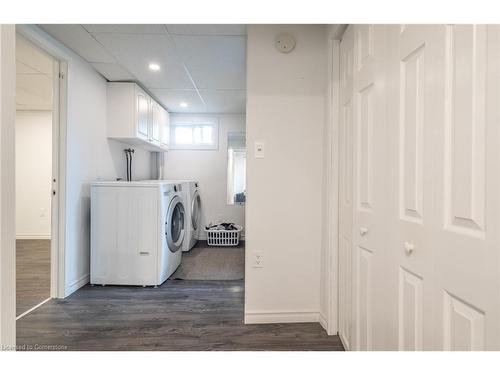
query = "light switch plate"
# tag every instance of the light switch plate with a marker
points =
(259, 150)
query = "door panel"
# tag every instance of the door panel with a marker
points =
(346, 140)
(369, 186)
(464, 325)
(143, 118)
(365, 298)
(411, 133)
(443, 155)
(467, 258)
(419, 180)
(365, 112)
(410, 311)
(156, 119)
(465, 131)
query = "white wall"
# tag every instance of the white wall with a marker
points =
(286, 111)
(90, 155)
(33, 173)
(209, 168)
(7, 188)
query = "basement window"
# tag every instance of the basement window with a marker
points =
(196, 133)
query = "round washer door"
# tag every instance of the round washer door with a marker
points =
(174, 224)
(195, 210)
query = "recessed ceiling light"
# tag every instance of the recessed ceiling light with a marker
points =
(154, 67)
(183, 104)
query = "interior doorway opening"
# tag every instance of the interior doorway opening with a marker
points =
(37, 80)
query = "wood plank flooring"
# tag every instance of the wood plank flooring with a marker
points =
(179, 315)
(32, 273)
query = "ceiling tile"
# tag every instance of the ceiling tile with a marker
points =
(171, 99)
(126, 29)
(80, 41)
(137, 51)
(214, 62)
(225, 101)
(181, 29)
(113, 72)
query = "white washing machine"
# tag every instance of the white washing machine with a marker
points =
(192, 202)
(137, 231)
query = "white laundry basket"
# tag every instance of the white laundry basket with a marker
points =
(224, 237)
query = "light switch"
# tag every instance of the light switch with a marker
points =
(259, 150)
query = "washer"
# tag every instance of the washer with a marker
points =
(192, 201)
(137, 231)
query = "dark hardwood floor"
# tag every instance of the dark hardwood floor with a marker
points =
(179, 315)
(32, 273)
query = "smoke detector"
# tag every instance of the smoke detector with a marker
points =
(284, 43)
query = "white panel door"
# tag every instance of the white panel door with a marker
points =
(466, 245)
(346, 144)
(416, 58)
(445, 209)
(369, 186)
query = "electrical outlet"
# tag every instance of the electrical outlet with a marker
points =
(258, 260)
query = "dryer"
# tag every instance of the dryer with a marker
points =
(137, 231)
(193, 214)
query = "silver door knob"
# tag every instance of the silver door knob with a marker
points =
(409, 247)
(363, 231)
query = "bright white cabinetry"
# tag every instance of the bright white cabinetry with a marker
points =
(156, 119)
(164, 128)
(134, 117)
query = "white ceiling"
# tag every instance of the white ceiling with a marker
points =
(202, 65)
(34, 70)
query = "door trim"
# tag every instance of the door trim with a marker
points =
(59, 155)
(332, 188)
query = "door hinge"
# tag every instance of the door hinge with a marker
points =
(61, 75)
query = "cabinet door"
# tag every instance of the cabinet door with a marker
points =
(165, 128)
(143, 114)
(156, 120)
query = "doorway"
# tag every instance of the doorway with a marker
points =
(37, 80)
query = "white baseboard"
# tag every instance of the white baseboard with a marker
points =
(32, 236)
(77, 284)
(281, 317)
(323, 321)
(346, 347)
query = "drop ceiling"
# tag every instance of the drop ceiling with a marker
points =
(201, 65)
(33, 77)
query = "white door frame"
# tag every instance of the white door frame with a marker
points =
(59, 155)
(7, 188)
(332, 177)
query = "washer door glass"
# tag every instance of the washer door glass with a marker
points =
(195, 210)
(174, 224)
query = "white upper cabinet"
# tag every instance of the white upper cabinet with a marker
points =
(164, 128)
(156, 121)
(135, 118)
(143, 104)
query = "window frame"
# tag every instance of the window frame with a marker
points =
(194, 121)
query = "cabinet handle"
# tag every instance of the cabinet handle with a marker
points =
(409, 247)
(363, 230)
